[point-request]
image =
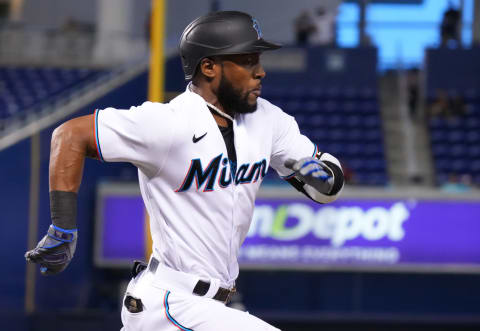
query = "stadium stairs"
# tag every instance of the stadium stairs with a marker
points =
(407, 146)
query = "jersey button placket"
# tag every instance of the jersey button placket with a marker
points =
(234, 198)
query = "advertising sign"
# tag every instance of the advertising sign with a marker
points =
(350, 234)
(373, 233)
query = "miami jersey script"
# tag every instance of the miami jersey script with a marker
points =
(200, 204)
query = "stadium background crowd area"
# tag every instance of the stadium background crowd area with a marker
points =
(390, 87)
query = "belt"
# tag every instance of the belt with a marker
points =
(223, 294)
(182, 280)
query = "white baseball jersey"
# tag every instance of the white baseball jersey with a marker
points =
(200, 210)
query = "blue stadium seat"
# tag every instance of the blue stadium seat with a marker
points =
(353, 121)
(318, 121)
(330, 107)
(438, 136)
(336, 135)
(352, 150)
(312, 107)
(293, 107)
(458, 150)
(23, 87)
(297, 92)
(319, 136)
(471, 94)
(356, 163)
(333, 148)
(315, 92)
(371, 121)
(472, 123)
(443, 165)
(367, 107)
(454, 123)
(350, 93)
(456, 136)
(367, 93)
(473, 137)
(332, 92)
(437, 123)
(440, 150)
(460, 166)
(349, 107)
(373, 135)
(335, 121)
(475, 110)
(354, 135)
(373, 179)
(475, 167)
(373, 149)
(474, 151)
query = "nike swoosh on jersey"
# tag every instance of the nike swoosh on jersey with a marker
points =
(195, 139)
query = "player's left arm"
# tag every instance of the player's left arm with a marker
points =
(319, 177)
(296, 159)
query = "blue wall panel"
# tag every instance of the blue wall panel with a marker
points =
(14, 197)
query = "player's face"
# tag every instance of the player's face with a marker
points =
(240, 82)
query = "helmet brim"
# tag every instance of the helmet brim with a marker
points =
(257, 46)
(264, 45)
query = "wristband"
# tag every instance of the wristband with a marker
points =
(63, 209)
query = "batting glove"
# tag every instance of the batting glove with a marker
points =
(55, 251)
(313, 172)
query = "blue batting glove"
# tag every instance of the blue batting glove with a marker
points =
(55, 251)
(313, 172)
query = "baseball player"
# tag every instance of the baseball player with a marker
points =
(201, 159)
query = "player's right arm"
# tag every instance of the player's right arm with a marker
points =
(71, 143)
(140, 135)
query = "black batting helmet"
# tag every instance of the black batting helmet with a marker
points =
(220, 33)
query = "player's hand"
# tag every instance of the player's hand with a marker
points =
(54, 252)
(313, 172)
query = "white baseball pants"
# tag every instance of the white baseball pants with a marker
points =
(168, 304)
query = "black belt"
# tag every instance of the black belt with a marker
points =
(223, 294)
(201, 288)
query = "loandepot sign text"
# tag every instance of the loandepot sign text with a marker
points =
(337, 224)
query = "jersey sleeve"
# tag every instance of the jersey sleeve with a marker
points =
(140, 135)
(288, 143)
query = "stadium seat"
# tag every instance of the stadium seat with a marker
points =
(353, 121)
(293, 107)
(474, 151)
(371, 121)
(471, 94)
(472, 123)
(456, 136)
(474, 167)
(330, 107)
(21, 88)
(460, 166)
(437, 136)
(312, 107)
(373, 135)
(458, 150)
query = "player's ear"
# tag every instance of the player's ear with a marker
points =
(207, 68)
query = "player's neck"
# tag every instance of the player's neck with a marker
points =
(209, 96)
